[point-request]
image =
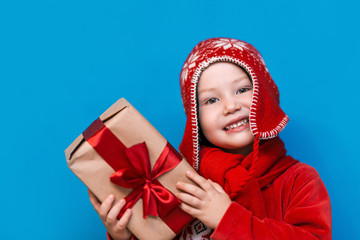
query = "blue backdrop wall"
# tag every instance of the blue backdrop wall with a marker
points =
(62, 63)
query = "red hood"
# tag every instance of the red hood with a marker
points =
(266, 117)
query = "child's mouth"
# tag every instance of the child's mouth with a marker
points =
(236, 125)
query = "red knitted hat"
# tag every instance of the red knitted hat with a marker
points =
(266, 117)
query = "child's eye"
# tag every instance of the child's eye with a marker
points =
(242, 90)
(211, 101)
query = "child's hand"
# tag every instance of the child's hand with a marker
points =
(208, 203)
(116, 228)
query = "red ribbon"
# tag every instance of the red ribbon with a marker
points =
(157, 200)
(133, 170)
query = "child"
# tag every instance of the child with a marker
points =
(253, 191)
(249, 188)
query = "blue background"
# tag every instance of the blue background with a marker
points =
(62, 63)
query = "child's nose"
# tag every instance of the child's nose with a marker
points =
(231, 106)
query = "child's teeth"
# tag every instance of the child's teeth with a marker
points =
(237, 124)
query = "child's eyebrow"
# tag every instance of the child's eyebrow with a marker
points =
(207, 90)
(240, 79)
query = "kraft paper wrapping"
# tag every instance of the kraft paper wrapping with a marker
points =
(131, 128)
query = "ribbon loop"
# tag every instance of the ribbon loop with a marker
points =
(157, 200)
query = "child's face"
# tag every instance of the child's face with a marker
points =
(224, 95)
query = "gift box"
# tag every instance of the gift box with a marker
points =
(121, 153)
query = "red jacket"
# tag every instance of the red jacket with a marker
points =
(297, 207)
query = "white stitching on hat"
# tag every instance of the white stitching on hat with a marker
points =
(252, 118)
(193, 88)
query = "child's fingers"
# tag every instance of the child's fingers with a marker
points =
(191, 189)
(124, 220)
(105, 207)
(202, 182)
(115, 210)
(190, 210)
(189, 199)
(216, 186)
(94, 201)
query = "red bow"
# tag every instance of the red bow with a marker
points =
(157, 200)
(133, 170)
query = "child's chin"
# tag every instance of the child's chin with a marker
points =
(241, 145)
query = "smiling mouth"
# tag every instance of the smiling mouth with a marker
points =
(238, 124)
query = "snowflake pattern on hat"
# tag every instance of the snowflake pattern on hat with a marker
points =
(227, 43)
